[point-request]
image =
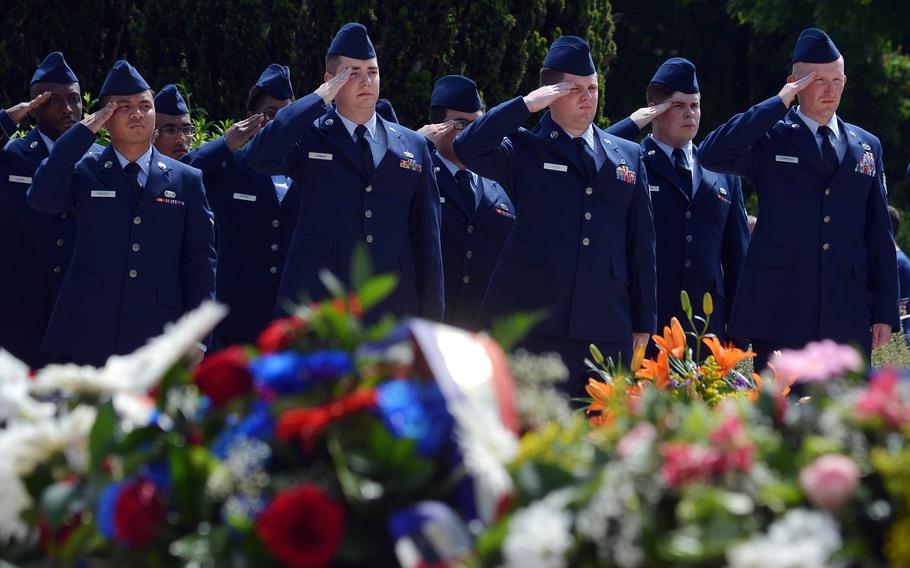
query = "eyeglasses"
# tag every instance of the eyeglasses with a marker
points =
(171, 130)
(461, 124)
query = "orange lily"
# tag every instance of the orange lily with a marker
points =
(673, 340)
(658, 371)
(726, 357)
(781, 385)
(601, 392)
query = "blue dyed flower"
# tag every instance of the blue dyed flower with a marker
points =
(292, 373)
(106, 506)
(415, 410)
(258, 425)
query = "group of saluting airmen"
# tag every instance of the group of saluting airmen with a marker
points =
(479, 217)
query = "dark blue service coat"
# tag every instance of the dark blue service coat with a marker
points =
(136, 266)
(821, 261)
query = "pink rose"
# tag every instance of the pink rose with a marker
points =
(685, 463)
(884, 401)
(830, 481)
(644, 433)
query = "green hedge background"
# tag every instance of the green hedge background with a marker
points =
(216, 50)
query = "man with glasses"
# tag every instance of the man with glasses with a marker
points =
(364, 182)
(582, 248)
(477, 215)
(174, 130)
(255, 214)
(35, 248)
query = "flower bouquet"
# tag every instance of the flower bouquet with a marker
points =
(330, 442)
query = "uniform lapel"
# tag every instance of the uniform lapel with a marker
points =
(560, 142)
(111, 175)
(658, 160)
(330, 125)
(156, 183)
(394, 147)
(708, 187)
(854, 154)
(448, 186)
(804, 141)
(262, 182)
(490, 196)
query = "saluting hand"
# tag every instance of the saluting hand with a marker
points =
(543, 97)
(96, 120)
(435, 132)
(18, 112)
(643, 116)
(330, 88)
(790, 90)
(240, 133)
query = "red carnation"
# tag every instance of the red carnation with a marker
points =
(302, 527)
(138, 513)
(224, 376)
(279, 334)
(309, 423)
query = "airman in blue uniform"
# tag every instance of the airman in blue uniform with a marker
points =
(363, 182)
(821, 262)
(699, 215)
(477, 214)
(174, 129)
(255, 215)
(35, 248)
(582, 247)
(144, 250)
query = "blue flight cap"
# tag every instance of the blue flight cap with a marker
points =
(570, 54)
(456, 92)
(815, 46)
(276, 82)
(677, 73)
(169, 101)
(353, 41)
(386, 111)
(123, 79)
(54, 70)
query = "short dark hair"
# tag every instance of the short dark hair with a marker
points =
(438, 114)
(550, 76)
(253, 98)
(331, 63)
(895, 219)
(658, 93)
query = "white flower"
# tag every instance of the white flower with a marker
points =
(15, 401)
(800, 539)
(141, 370)
(15, 499)
(539, 535)
(486, 446)
(26, 445)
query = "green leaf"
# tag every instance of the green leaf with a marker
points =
(103, 437)
(55, 503)
(376, 289)
(361, 267)
(510, 330)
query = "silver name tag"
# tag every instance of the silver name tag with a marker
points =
(787, 159)
(555, 167)
(319, 156)
(20, 179)
(103, 193)
(244, 197)
(653, 188)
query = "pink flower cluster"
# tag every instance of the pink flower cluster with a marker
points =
(830, 481)
(817, 361)
(883, 401)
(731, 451)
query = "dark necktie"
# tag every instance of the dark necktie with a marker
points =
(132, 170)
(366, 155)
(586, 158)
(681, 164)
(829, 154)
(463, 177)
